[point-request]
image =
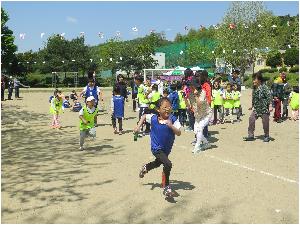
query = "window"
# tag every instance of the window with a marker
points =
(259, 62)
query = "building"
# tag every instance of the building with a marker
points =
(161, 60)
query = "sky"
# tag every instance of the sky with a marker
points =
(71, 18)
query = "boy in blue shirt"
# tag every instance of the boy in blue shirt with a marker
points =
(163, 129)
(117, 107)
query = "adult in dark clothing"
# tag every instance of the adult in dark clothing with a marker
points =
(122, 85)
(134, 91)
(2, 87)
(10, 87)
(287, 89)
(17, 88)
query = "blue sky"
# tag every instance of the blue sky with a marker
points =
(71, 18)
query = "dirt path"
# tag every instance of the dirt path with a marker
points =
(46, 179)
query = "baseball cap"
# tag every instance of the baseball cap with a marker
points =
(91, 98)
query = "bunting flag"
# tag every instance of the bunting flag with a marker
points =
(81, 34)
(110, 59)
(34, 62)
(118, 33)
(152, 31)
(289, 46)
(202, 28)
(181, 52)
(216, 27)
(22, 36)
(101, 35)
(224, 51)
(121, 58)
(267, 48)
(91, 60)
(259, 25)
(246, 27)
(135, 29)
(231, 26)
(73, 60)
(62, 35)
(63, 61)
(100, 60)
(288, 23)
(274, 26)
(212, 52)
(186, 28)
(42, 35)
(44, 62)
(233, 51)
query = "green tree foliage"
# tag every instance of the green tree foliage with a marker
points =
(8, 48)
(291, 57)
(59, 53)
(252, 34)
(274, 59)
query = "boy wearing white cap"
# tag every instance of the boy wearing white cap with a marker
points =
(87, 117)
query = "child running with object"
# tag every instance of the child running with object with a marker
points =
(56, 108)
(228, 103)
(236, 96)
(117, 108)
(294, 103)
(163, 129)
(87, 120)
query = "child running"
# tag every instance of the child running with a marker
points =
(87, 120)
(164, 127)
(153, 97)
(203, 113)
(117, 108)
(56, 108)
(236, 96)
(228, 103)
(182, 105)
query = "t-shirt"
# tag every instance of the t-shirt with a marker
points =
(162, 137)
(117, 106)
(91, 88)
(88, 109)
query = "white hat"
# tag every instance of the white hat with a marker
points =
(91, 98)
(10, 77)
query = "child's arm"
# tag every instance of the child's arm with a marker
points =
(142, 120)
(83, 120)
(174, 129)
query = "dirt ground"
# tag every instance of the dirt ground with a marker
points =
(46, 179)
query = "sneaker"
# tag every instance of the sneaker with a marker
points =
(168, 191)
(81, 148)
(266, 139)
(120, 132)
(188, 129)
(232, 121)
(194, 142)
(143, 171)
(115, 131)
(249, 138)
(197, 148)
(206, 146)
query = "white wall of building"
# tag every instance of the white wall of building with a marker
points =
(161, 60)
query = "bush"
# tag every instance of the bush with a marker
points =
(291, 57)
(273, 70)
(294, 69)
(264, 70)
(283, 69)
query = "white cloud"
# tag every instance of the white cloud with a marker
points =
(71, 19)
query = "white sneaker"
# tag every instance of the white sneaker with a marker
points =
(197, 148)
(81, 148)
(206, 146)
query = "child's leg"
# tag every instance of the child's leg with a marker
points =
(215, 113)
(113, 120)
(83, 134)
(184, 117)
(53, 120)
(230, 114)
(163, 159)
(57, 120)
(120, 124)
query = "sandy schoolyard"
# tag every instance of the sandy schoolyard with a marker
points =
(46, 179)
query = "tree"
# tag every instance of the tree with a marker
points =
(249, 36)
(291, 57)
(274, 59)
(8, 48)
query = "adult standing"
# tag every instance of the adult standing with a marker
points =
(122, 85)
(188, 74)
(287, 89)
(134, 92)
(2, 87)
(10, 87)
(261, 107)
(17, 88)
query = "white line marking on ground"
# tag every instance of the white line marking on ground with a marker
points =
(251, 169)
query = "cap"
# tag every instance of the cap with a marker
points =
(91, 98)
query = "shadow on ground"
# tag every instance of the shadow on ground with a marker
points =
(45, 165)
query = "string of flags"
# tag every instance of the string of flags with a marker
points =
(231, 26)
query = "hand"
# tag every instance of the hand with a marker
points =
(168, 123)
(135, 130)
(270, 108)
